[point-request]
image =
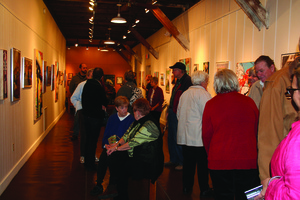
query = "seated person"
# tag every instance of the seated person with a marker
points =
(117, 125)
(138, 153)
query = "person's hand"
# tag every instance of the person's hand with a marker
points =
(264, 183)
(111, 150)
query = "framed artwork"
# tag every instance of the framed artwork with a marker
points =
(61, 78)
(3, 74)
(162, 79)
(168, 72)
(287, 58)
(15, 72)
(38, 85)
(52, 77)
(156, 74)
(26, 73)
(196, 67)
(242, 72)
(206, 67)
(119, 80)
(65, 78)
(56, 80)
(49, 75)
(222, 65)
(70, 75)
(187, 62)
(68, 82)
(109, 78)
(44, 76)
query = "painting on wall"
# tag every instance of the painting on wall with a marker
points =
(287, 58)
(26, 73)
(119, 80)
(56, 80)
(70, 75)
(222, 65)
(156, 74)
(44, 76)
(15, 72)
(242, 72)
(49, 75)
(187, 62)
(196, 67)
(109, 78)
(168, 73)
(162, 79)
(38, 85)
(52, 77)
(3, 74)
(206, 67)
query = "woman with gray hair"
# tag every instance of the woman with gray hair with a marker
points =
(229, 131)
(189, 134)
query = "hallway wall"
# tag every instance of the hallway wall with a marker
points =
(27, 25)
(219, 30)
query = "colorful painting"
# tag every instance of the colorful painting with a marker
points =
(15, 74)
(206, 67)
(44, 76)
(222, 65)
(38, 87)
(56, 80)
(49, 75)
(156, 74)
(162, 79)
(110, 78)
(168, 77)
(242, 72)
(52, 77)
(187, 62)
(27, 73)
(3, 74)
(196, 67)
(287, 58)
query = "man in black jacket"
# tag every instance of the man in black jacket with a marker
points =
(94, 102)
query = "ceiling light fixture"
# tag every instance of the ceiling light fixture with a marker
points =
(128, 31)
(91, 8)
(119, 19)
(87, 48)
(92, 3)
(154, 2)
(104, 49)
(109, 41)
(124, 36)
(76, 44)
(137, 21)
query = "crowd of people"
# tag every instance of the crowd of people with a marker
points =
(238, 140)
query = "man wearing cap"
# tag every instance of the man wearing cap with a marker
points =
(182, 84)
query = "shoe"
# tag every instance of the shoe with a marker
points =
(74, 137)
(187, 190)
(179, 167)
(98, 189)
(81, 159)
(169, 163)
(96, 159)
(207, 193)
(110, 192)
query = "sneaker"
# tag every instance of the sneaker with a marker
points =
(98, 189)
(110, 192)
(96, 159)
(179, 167)
(81, 159)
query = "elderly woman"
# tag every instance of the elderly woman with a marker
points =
(156, 98)
(189, 135)
(285, 164)
(138, 153)
(229, 131)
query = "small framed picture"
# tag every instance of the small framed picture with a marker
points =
(26, 73)
(70, 75)
(162, 79)
(68, 82)
(15, 71)
(119, 80)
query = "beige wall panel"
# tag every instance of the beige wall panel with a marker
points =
(294, 26)
(211, 10)
(248, 40)
(232, 36)
(240, 32)
(233, 5)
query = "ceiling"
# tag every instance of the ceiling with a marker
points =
(72, 18)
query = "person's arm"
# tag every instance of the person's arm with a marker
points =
(207, 129)
(76, 97)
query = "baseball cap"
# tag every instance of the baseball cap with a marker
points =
(178, 65)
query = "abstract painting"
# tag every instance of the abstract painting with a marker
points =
(206, 67)
(242, 72)
(52, 77)
(44, 76)
(3, 74)
(187, 62)
(56, 81)
(27, 73)
(49, 75)
(15, 72)
(38, 87)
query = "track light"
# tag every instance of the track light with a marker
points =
(137, 21)
(146, 10)
(124, 36)
(92, 3)
(87, 48)
(91, 8)
(134, 25)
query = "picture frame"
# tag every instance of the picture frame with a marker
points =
(15, 71)
(3, 74)
(38, 85)
(206, 67)
(49, 71)
(68, 82)
(287, 58)
(52, 77)
(111, 77)
(156, 74)
(196, 67)
(188, 65)
(44, 76)
(56, 80)
(168, 77)
(119, 80)
(242, 73)
(222, 65)
(70, 75)
(162, 79)
(26, 73)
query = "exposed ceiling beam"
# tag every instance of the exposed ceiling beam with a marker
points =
(255, 11)
(124, 57)
(171, 28)
(133, 53)
(144, 42)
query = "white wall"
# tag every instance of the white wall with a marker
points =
(27, 25)
(219, 30)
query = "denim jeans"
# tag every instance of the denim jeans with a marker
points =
(175, 150)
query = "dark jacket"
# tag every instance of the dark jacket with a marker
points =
(75, 81)
(93, 97)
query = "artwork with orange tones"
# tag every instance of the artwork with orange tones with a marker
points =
(15, 74)
(38, 85)
(187, 62)
(242, 72)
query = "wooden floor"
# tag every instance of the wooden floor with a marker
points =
(54, 172)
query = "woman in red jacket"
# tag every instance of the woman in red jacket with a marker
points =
(229, 130)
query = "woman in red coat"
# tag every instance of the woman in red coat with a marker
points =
(229, 131)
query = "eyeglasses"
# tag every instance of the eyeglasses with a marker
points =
(290, 91)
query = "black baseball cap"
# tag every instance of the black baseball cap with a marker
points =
(178, 65)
